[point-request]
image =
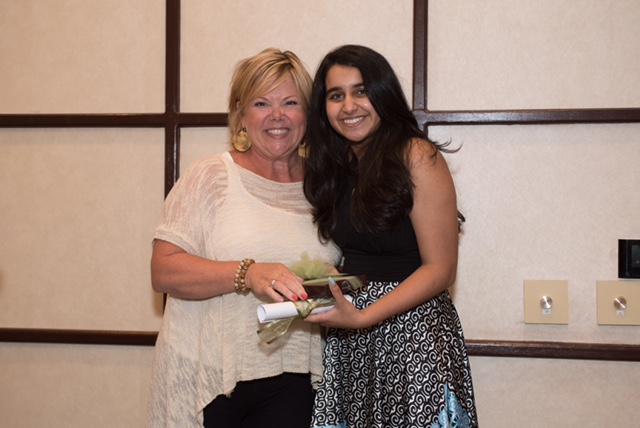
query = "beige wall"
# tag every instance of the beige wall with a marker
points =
(542, 202)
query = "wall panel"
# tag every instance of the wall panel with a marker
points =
(79, 208)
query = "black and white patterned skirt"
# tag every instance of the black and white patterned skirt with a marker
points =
(411, 370)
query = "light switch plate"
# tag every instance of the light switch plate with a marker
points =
(546, 302)
(626, 311)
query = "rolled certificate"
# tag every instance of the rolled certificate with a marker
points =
(275, 311)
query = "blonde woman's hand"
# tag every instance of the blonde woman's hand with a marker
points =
(275, 281)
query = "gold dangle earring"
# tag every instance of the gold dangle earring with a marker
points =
(302, 149)
(241, 141)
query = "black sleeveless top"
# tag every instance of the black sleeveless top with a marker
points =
(390, 256)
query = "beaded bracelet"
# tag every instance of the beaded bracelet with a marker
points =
(239, 280)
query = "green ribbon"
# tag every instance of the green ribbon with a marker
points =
(276, 329)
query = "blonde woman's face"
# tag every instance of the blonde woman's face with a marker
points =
(275, 121)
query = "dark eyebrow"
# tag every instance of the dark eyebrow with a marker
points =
(338, 88)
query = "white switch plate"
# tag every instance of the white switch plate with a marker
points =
(535, 291)
(608, 313)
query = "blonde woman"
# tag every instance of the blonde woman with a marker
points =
(230, 226)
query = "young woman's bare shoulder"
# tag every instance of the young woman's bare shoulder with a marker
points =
(421, 153)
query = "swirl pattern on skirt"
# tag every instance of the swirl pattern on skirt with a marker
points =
(411, 370)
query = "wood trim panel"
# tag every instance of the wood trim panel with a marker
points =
(528, 117)
(478, 348)
(113, 120)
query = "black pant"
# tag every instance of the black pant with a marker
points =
(284, 401)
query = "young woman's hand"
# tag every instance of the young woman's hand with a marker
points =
(342, 315)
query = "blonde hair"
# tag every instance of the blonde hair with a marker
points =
(260, 74)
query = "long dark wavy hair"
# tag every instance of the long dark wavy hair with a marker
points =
(384, 191)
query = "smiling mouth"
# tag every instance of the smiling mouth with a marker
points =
(277, 132)
(353, 121)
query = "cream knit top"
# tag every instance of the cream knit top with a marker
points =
(221, 211)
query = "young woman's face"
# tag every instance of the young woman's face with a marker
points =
(348, 107)
(276, 121)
